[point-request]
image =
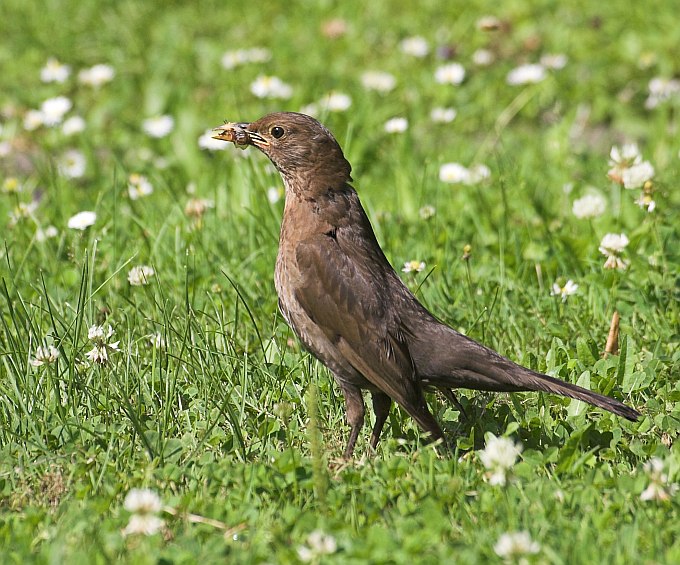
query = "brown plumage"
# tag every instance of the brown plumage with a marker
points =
(349, 307)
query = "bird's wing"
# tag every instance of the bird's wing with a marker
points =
(346, 300)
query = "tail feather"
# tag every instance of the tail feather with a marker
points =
(447, 359)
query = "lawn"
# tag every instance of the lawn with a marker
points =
(520, 164)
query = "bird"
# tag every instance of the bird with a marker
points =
(348, 306)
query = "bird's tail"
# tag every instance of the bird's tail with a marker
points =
(447, 359)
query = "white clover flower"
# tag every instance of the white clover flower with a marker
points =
(45, 355)
(97, 75)
(53, 110)
(443, 115)
(477, 173)
(310, 109)
(554, 61)
(415, 46)
(379, 81)
(140, 275)
(33, 119)
(146, 524)
(54, 71)
(158, 126)
(612, 245)
(196, 207)
(483, 57)
(274, 194)
(318, 544)
(513, 545)
(453, 173)
(72, 164)
(233, 59)
(637, 175)
(646, 202)
(622, 158)
(271, 87)
(589, 206)
(208, 142)
(335, 102)
(565, 291)
(661, 90)
(526, 74)
(82, 220)
(48, 233)
(413, 266)
(142, 501)
(658, 488)
(22, 211)
(453, 73)
(396, 125)
(138, 186)
(427, 212)
(99, 335)
(73, 125)
(157, 340)
(499, 455)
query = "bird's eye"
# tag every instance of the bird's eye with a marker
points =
(277, 131)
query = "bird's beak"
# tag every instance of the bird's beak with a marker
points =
(239, 135)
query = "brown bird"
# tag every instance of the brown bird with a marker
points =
(349, 307)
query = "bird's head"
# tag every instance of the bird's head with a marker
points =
(301, 148)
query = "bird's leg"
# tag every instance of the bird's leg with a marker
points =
(381, 408)
(354, 407)
(448, 393)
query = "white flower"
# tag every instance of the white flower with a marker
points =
(82, 220)
(157, 340)
(5, 148)
(335, 102)
(73, 125)
(48, 233)
(646, 202)
(206, 141)
(427, 212)
(142, 501)
(453, 73)
(526, 74)
(660, 90)
(270, 87)
(396, 125)
(512, 545)
(22, 211)
(138, 186)
(622, 158)
(72, 164)
(99, 335)
(453, 173)
(443, 115)
(54, 71)
(482, 57)
(233, 59)
(318, 544)
(413, 266)
(554, 61)
(147, 525)
(379, 81)
(158, 126)
(499, 455)
(310, 109)
(196, 207)
(274, 194)
(415, 46)
(478, 173)
(589, 206)
(140, 275)
(53, 110)
(33, 119)
(97, 75)
(612, 245)
(637, 175)
(45, 355)
(565, 291)
(658, 488)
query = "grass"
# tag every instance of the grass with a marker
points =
(239, 431)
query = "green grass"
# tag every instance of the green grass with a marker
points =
(238, 430)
